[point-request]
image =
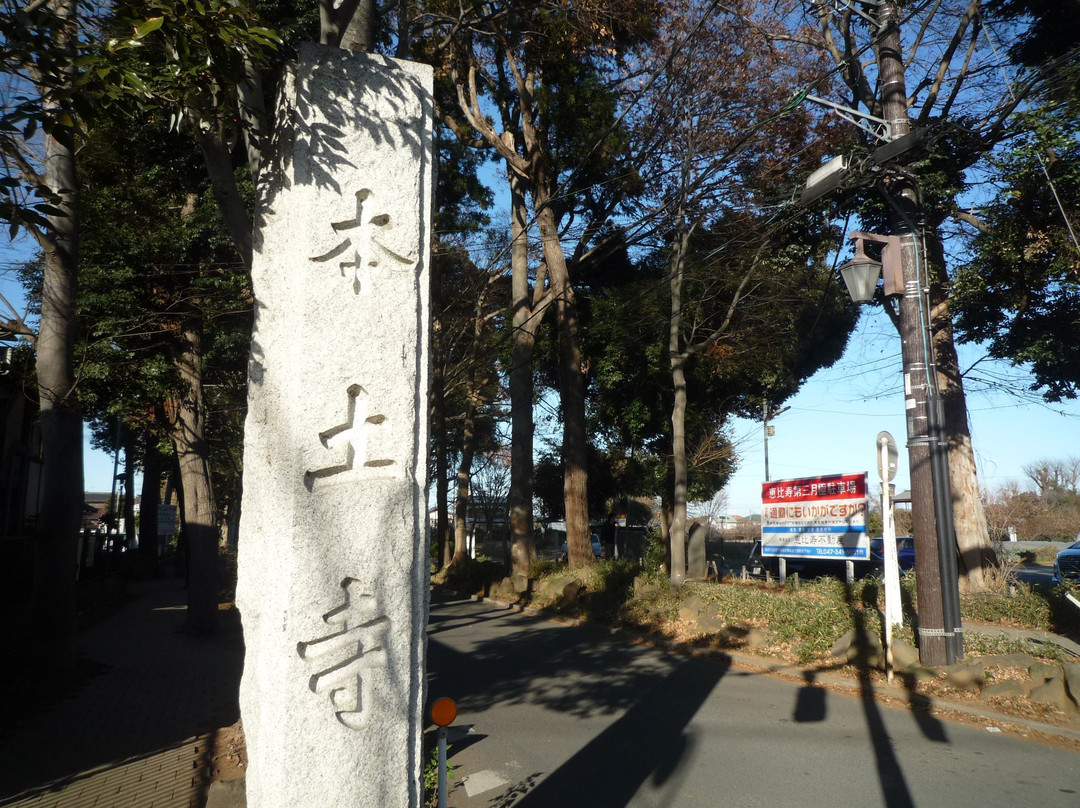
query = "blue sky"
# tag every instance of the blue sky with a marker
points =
(834, 420)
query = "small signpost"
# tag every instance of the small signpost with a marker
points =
(166, 520)
(887, 458)
(443, 713)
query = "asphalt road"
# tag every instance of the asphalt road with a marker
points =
(1034, 573)
(554, 715)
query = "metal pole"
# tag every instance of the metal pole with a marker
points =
(950, 594)
(442, 767)
(935, 647)
(765, 422)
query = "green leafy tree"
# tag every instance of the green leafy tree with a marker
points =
(40, 46)
(542, 69)
(932, 69)
(167, 314)
(1020, 294)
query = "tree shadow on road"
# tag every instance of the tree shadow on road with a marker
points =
(810, 706)
(585, 672)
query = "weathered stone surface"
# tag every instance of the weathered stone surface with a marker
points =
(696, 565)
(965, 676)
(333, 552)
(645, 589)
(565, 588)
(1005, 689)
(1072, 680)
(904, 654)
(1044, 671)
(711, 622)
(1018, 660)
(226, 794)
(690, 608)
(1052, 692)
(571, 592)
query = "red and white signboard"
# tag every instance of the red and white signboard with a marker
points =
(815, 517)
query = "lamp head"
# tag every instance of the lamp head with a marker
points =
(861, 274)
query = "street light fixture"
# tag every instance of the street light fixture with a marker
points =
(769, 430)
(861, 273)
(925, 428)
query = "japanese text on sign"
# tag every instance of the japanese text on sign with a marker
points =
(815, 517)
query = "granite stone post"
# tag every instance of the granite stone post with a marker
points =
(697, 566)
(333, 540)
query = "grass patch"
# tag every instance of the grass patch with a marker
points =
(801, 622)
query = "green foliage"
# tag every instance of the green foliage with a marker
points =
(793, 322)
(655, 555)
(610, 586)
(471, 576)
(544, 567)
(977, 644)
(1019, 295)
(155, 261)
(430, 775)
(174, 53)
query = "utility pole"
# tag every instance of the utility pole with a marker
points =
(940, 632)
(769, 430)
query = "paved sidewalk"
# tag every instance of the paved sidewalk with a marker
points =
(136, 727)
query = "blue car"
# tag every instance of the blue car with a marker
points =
(597, 549)
(905, 552)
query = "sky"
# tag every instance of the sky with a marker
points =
(833, 422)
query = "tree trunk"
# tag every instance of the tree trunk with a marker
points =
(665, 533)
(193, 460)
(56, 549)
(678, 412)
(130, 528)
(461, 503)
(153, 465)
(571, 391)
(219, 168)
(526, 323)
(974, 550)
(438, 417)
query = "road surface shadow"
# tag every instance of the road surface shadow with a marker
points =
(582, 672)
(649, 742)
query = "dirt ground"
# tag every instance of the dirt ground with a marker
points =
(229, 755)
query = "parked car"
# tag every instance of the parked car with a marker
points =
(1067, 564)
(905, 552)
(564, 550)
(757, 565)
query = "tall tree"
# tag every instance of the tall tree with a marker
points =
(958, 102)
(1020, 294)
(167, 311)
(40, 47)
(540, 65)
(713, 146)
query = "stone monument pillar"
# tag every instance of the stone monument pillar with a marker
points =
(697, 565)
(333, 578)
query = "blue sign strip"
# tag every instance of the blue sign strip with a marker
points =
(805, 529)
(845, 553)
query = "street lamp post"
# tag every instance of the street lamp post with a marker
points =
(905, 267)
(940, 631)
(769, 429)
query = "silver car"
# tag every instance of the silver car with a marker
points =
(1067, 564)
